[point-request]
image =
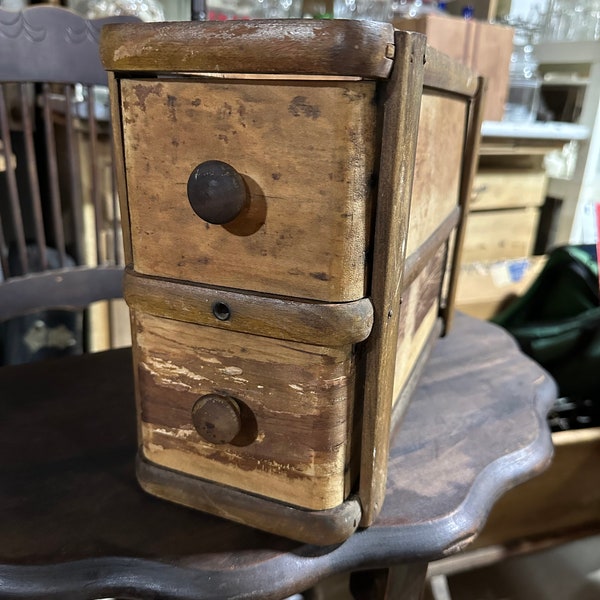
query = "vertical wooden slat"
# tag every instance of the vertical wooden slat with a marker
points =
(92, 133)
(13, 193)
(119, 163)
(53, 184)
(471, 154)
(401, 107)
(33, 176)
(7, 154)
(116, 229)
(73, 165)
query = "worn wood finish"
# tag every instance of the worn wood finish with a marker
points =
(469, 166)
(306, 231)
(119, 167)
(421, 302)
(75, 523)
(401, 118)
(287, 390)
(327, 47)
(447, 75)
(438, 165)
(438, 187)
(322, 323)
(442, 235)
(321, 527)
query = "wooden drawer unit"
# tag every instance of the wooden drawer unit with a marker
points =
(266, 175)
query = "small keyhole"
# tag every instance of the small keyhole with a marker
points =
(221, 311)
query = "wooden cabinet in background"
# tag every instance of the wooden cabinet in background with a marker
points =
(509, 191)
(483, 47)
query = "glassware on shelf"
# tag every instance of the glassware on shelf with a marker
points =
(372, 10)
(221, 10)
(411, 9)
(524, 82)
(571, 21)
(146, 10)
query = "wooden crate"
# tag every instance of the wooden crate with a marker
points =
(272, 350)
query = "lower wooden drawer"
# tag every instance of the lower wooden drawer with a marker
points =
(500, 234)
(290, 438)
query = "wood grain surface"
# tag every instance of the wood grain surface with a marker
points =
(322, 323)
(438, 165)
(299, 400)
(306, 153)
(297, 46)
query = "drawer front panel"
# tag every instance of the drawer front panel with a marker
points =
(500, 234)
(295, 409)
(506, 188)
(306, 154)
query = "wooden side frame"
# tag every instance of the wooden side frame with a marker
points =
(470, 159)
(393, 209)
(401, 108)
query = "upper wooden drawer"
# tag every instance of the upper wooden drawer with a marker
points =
(306, 154)
(508, 188)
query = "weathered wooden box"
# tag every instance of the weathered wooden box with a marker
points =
(283, 292)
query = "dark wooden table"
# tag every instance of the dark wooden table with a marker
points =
(75, 524)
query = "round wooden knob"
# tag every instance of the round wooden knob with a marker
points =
(216, 192)
(217, 418)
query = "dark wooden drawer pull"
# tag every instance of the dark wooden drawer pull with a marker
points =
(217, 192)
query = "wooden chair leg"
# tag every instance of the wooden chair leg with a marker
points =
(403, 582)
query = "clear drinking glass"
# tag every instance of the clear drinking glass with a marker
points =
(524, 86)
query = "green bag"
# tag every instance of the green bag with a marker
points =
(557, 321)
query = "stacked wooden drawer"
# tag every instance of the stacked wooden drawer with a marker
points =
(497, 260)
(505, 208)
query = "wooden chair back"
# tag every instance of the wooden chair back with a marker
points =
(60, 237)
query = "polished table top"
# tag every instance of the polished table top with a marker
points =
(74, 522)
